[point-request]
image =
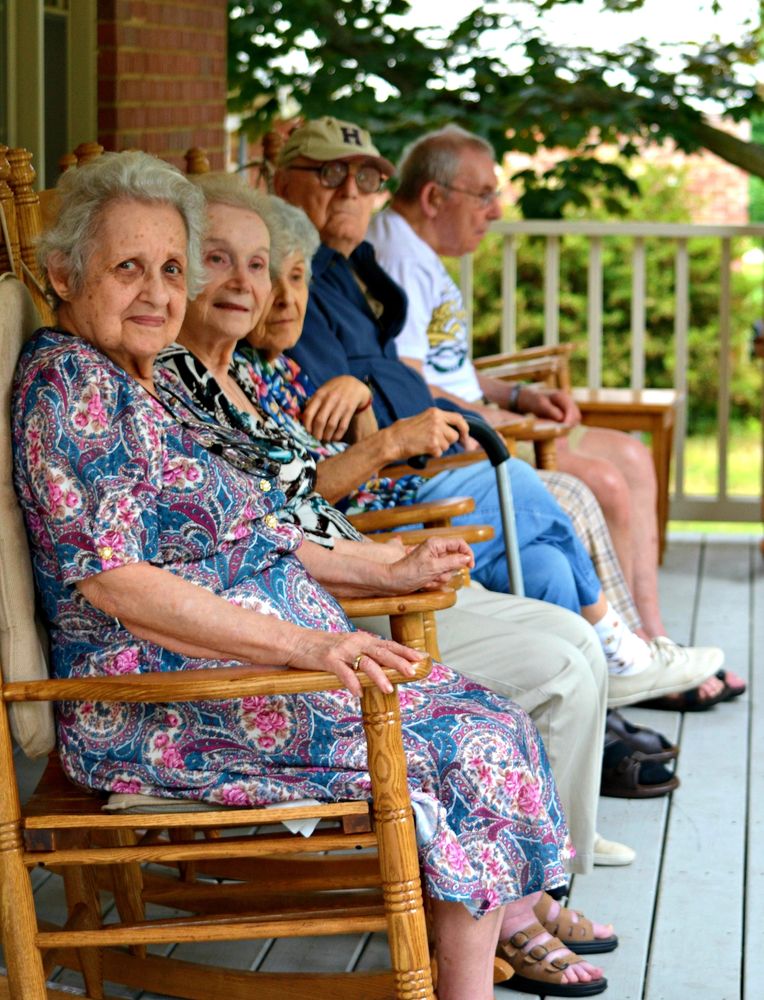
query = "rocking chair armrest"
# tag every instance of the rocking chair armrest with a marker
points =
(198, 685)
(540, 430)
(540, 365)
(541, 353)
(471, 533)
(419, 603)
(437, 512)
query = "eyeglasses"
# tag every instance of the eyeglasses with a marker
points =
(334, 173)
(486, 198)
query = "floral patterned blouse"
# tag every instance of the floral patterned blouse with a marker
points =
(282, 390)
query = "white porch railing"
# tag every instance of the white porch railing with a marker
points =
(720, 506)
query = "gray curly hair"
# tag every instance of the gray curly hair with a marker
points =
(290, 229)
(84, 192)
(296, 233)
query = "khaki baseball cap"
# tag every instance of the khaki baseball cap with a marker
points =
(330, 139)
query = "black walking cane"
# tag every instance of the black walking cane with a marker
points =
(498, 455)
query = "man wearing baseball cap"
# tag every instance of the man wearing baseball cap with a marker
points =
(332, 151)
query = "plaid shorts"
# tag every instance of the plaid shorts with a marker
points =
(581, 506)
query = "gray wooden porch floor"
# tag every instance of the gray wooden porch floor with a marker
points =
(690, 910)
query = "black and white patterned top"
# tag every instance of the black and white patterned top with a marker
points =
(253, 443)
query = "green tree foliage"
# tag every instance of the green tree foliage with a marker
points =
(663, 197)
(756, 184)
(355, 59)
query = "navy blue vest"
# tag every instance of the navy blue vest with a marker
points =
(342, 336)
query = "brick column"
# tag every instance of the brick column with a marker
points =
(162, 76)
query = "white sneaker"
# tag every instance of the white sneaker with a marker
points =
(611, 853)
(672, 669)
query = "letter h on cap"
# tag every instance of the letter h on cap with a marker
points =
(352, 136)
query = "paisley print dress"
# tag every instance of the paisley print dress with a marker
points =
(106, 478)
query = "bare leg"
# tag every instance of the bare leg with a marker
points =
(610, 488)
(594, 612)
(464, 948)
(619, 467)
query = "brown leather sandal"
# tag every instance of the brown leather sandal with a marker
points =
(572, 928)
(539, 975)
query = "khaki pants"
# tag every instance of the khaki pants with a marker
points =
(549, 661)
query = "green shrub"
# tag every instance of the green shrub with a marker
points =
(756, 184)
(663, 199)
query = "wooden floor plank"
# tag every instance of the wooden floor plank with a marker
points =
(678, 584)
(54, 993)
(754, 888)
(674, 910)
(317, 954)
(28, 773)
(701, 892)
(625, 896)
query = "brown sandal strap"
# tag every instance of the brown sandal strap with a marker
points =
(535, 964)
(564, 926)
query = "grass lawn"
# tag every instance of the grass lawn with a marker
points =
(743, 475)
(714, 527)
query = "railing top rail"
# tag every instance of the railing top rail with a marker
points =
(674, 230)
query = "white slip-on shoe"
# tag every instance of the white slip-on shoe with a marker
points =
(672, 669)
(611, 853)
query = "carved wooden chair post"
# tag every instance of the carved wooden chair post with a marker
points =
(29, 223)
(197, 161)
(10, 257)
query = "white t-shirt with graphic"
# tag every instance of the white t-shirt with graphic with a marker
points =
(435, 331)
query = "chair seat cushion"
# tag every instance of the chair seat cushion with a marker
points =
(22, 655)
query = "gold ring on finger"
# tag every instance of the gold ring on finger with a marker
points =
(357, 662)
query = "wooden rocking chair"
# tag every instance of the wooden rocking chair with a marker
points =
(66, 829)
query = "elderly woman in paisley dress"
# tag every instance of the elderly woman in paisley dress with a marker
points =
(153, 552)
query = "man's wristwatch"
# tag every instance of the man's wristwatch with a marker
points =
(514, 395)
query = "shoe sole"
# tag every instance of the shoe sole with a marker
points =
(641, 791)
(540, 988)
(668, 704)
(596, 947)
(606, 861)
(659, 691)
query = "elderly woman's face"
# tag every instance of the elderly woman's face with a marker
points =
(133, 296)
(281, 323)
(236, 254)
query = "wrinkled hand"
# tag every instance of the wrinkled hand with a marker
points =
(335, 652)
(430, 432)
(549, 404)
(430, 565)
(330, 409)
(386, 552)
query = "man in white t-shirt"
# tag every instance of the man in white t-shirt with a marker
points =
(434, 337)
(444, 203)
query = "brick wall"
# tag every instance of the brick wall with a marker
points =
(718, 190)
(162, 76)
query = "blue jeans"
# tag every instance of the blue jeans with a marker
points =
(556, 566)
